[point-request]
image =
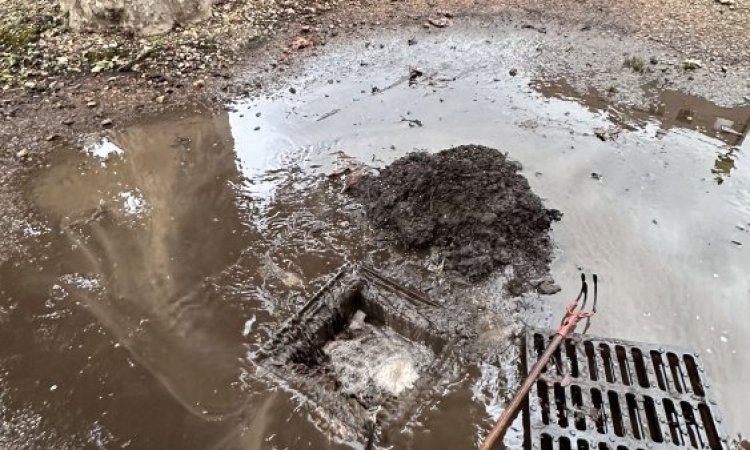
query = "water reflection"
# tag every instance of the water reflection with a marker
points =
(672, 109)
(155, 215)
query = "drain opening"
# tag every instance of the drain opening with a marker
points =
(591, 358)
(622, 360)
(709, 425)
(601, 417)
(546, 442)
(636, 424)
(539, 346)
(572, 353)
(562, 410)
(614, 406)
(640, 367)
(673, 419)
(583, 445)
(609, 370)
(577, 398)
(694, 432)
(543, 393)
(603, 446)
(661, 374)
(676, 369)
(693, 375)
(653, 419)
(564, 443)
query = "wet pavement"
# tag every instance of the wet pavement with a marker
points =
(162, 255)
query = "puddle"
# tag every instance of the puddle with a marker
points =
(172, 249)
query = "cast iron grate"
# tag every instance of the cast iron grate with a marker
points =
(294, 357)
(605, 394)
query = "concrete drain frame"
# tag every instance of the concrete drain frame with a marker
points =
(294, 357)
(605, 394)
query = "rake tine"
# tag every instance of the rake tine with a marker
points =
(585, 291)
(593, 309)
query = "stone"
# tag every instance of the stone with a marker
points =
(107, 122)
(92, 104)
(513, 72)
(142, 17)
(22, 154)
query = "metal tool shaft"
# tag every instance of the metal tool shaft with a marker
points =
(506, 418)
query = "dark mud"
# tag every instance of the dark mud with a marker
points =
(469, 202)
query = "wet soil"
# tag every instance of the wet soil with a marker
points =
(470, 203)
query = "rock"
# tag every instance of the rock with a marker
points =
(199, 84)
(143, 17)
(22, 154)
(92, 104)
(160, 99)
(301, 42)
(292, 90)
(513, 72)
(51, 137)
(692, 64)
(68, 122)
(595, 175)
(548, 287)
(106, 123)
(440, 22)
(29, 85)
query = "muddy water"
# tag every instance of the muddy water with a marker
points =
(164, 253)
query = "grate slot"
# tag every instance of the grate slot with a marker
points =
(640, 367)
(674, 419)
(634, 413)
(583, 445)
(562, 410)
(609, 365)
(564, 443)
(693, 375)
(572, 354)
(546, 442)
(602, 446)
(622, 359)
(652, 418)
(602, 421)
(697, 440)
(542, 391)
(661, 372)
(592, 360)
(577, 399)
(539, 346)
(709, 425)
(676, 369)
(617, 419)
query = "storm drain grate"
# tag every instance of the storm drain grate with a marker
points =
(604, 394)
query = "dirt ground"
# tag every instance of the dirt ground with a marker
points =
(469, 202)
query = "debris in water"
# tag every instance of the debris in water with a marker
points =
(414, 73)
(607, 133)
(469, 202)
(412, 122)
